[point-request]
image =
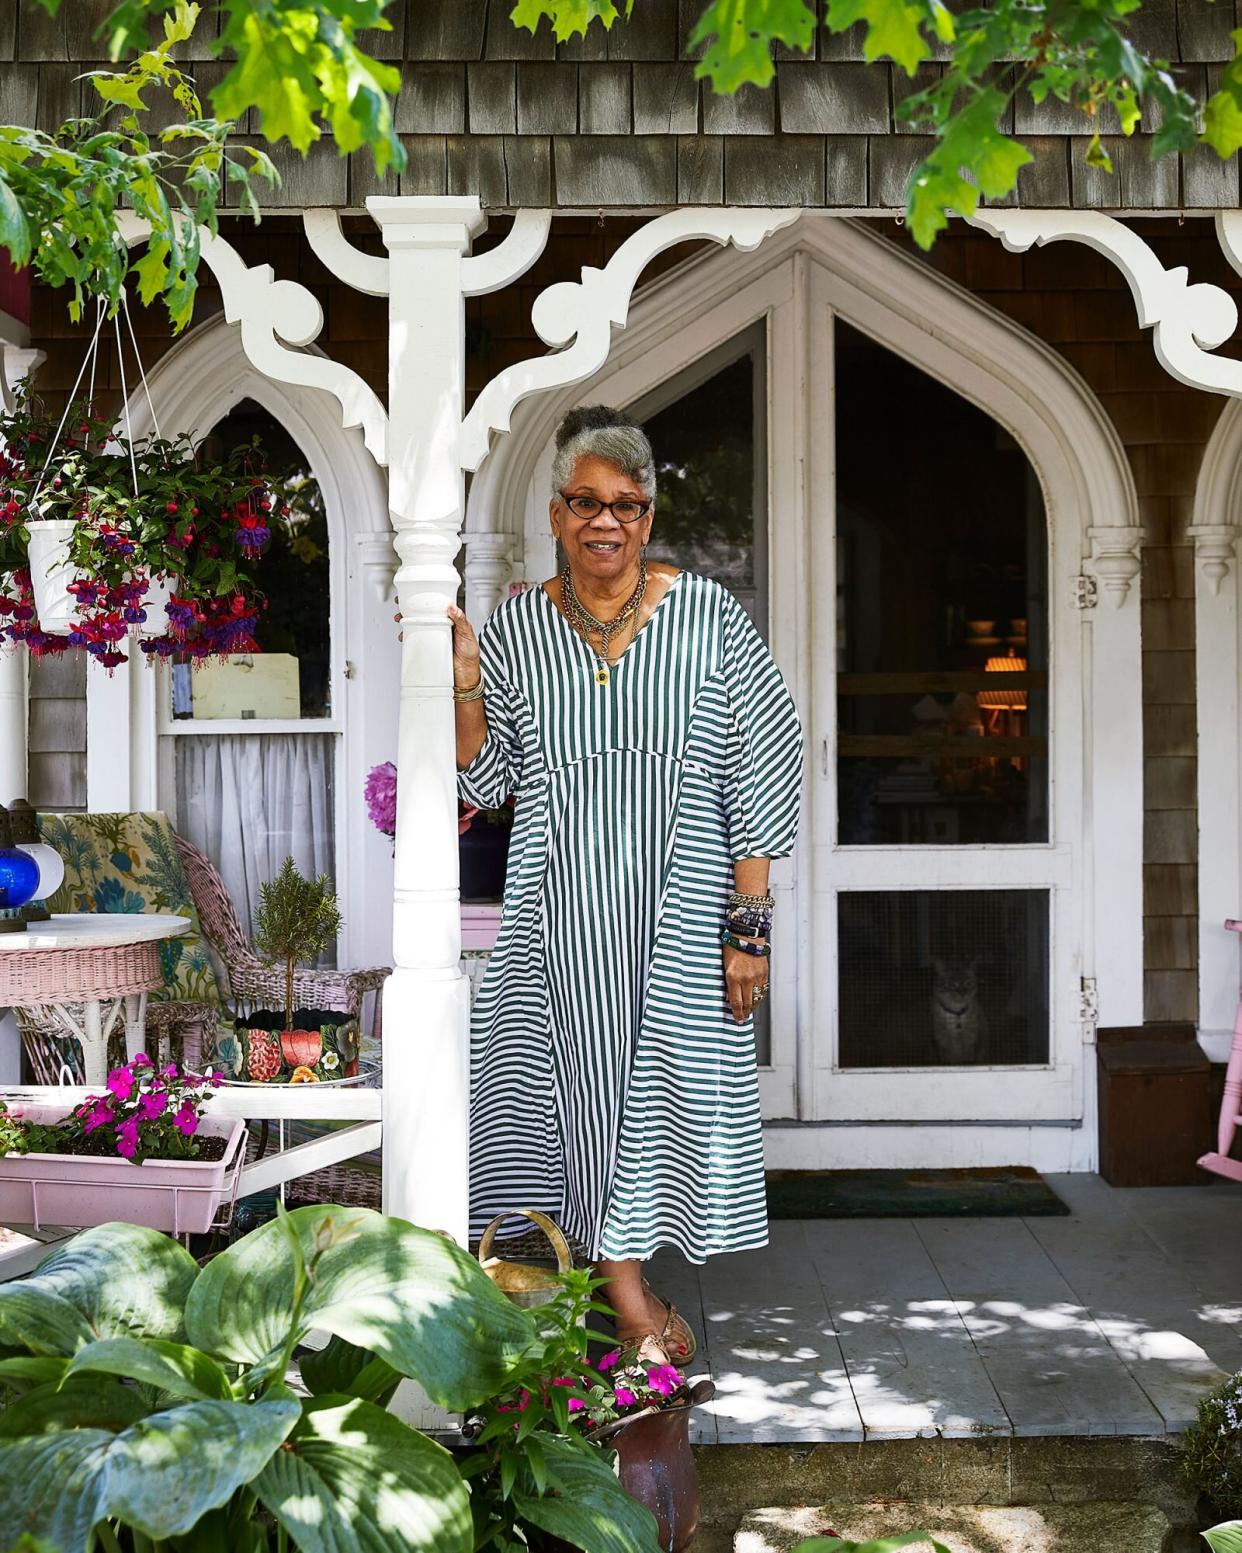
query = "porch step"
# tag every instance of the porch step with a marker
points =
(1071, 1528)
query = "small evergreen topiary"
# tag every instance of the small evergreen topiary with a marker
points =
(1212, 1449)
(297, 919)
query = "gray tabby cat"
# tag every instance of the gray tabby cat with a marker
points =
(959, 1024)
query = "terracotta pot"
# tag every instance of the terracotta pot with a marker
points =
(656, 1465)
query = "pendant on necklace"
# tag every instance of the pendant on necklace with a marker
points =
(601, 675)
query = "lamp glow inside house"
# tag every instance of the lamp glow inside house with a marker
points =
(19, 878)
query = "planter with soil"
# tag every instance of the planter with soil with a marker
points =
(85, 1182)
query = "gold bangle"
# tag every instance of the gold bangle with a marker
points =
(475, 693)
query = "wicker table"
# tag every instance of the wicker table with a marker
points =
(104, 962)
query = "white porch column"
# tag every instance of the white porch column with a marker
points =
(12, 723)
(426, 1005)
(488, 559)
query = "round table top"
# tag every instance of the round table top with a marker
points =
(80, 930)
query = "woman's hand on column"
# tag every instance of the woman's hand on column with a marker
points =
(744, 975)
(466, 667)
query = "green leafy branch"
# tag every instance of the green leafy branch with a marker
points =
(1076, 51)
(60, 194)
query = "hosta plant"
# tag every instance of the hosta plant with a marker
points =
(151, 1403)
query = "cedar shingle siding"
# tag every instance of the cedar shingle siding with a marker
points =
(488, 109)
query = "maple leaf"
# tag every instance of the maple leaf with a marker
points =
(740, 34)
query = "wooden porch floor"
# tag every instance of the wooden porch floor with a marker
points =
(1112, 1321)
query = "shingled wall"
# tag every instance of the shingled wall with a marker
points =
(617, 119)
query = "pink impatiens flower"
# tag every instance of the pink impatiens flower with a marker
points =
(121, 1083)
(152, 1105)
(127, 1138)
(664, 1379)
(99, 1115)
(576, 1404)
(624, 1396)
(186, 1119)
(608, 1361)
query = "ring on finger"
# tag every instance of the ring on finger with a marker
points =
(758, 994)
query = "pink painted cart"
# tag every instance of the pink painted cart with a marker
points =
(83, 970)
(1231, 1104)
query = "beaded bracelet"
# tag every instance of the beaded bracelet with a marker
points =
(749, 920)
(733, 942)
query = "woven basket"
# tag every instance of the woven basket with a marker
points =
(526, 1283)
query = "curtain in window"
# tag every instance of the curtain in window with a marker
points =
(251, 800)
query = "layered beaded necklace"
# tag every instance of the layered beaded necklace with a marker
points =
(584, 622)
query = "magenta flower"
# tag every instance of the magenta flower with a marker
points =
(121, 1082)
(170, 1071)
(100, 1116)
(624, 1396)
(576, 1404)
(151, 1106)
(608, 1361)
(127, 1138)
(664, 1379)
(380, 793)
(186, 1119)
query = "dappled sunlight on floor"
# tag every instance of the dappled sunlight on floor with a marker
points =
(1109, 1321)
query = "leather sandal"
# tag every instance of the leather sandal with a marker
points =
(675, 1336)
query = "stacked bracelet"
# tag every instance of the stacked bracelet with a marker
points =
(749, 915)
(473, 694)
(734, 942)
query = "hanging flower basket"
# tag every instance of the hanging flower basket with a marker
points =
(107, 538)
(49, 552)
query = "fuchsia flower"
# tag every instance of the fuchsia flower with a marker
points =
(576, 1404)
(100, 1115)
(152, 1105)
(186, 1119)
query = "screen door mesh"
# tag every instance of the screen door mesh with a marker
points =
(942, 978)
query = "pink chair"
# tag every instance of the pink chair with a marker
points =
(1231, 1104)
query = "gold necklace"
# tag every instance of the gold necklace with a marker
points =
(584, 622)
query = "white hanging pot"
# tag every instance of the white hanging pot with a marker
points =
(51, 572)
(159, 592)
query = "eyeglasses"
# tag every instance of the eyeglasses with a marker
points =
(587, 507)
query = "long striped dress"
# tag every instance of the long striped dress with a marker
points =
(610, 1084)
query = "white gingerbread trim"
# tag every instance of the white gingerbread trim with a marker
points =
(267, 308)
(365, 272)
(586, 311)
(510, 260)
(1188, 320)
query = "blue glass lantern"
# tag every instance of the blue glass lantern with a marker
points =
(19, 877)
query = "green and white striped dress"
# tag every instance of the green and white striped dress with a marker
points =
(610, 1085)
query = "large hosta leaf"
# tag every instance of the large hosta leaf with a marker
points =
(83, 1402)
(1226, 1538)
(349, 1371)
(589, 1509)
(357, 1480)
(124, 1280)
(36, 1319)
(158, 1476)
(411, 1297)
(171, 1367)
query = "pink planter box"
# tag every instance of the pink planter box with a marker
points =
(181, 1196)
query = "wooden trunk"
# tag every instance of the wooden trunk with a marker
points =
(1155, 1108)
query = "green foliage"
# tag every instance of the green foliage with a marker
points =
(1077, 51)
(568, 17)
(149, 1400)
(532, 1470)
(1226, 1538)
(297, 919)
(60, 194)
(1211, 1462)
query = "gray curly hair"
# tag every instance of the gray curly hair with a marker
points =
(596, 430)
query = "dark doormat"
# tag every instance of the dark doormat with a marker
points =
(1013, 1191)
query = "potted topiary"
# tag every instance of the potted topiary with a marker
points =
(296, 921)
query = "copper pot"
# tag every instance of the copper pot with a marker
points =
(657, 1465)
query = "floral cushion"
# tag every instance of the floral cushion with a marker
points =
(129, 862)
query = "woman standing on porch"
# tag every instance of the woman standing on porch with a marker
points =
(656, 755)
